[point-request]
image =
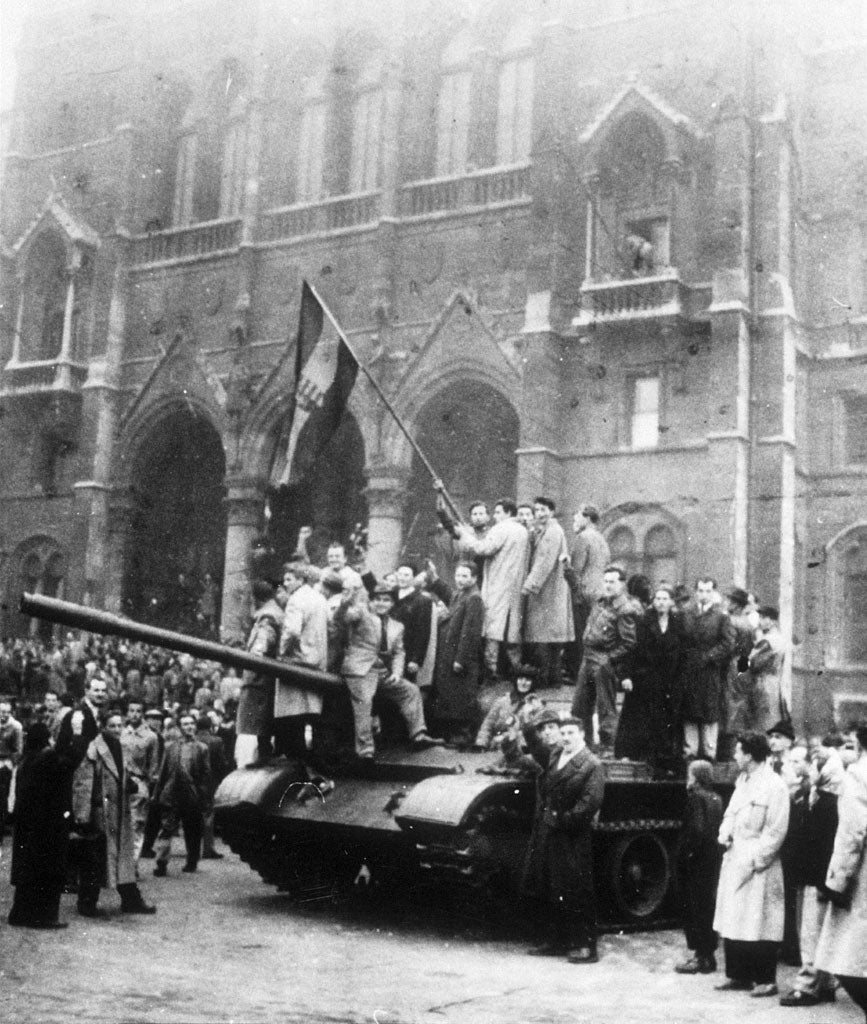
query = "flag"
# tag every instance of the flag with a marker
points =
(325, 372)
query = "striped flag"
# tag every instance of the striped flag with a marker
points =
(325, 372)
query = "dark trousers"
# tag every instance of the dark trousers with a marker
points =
(152, 826)
(698, 903)
(188, 816)
(548, 657)
(573, 652)
(289, 735)
(754, 962)
(596, 688)
(5, 784)
(38, 903)
(856, 989)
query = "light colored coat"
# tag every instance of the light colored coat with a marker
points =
(749, 902)
(99, 797)
(548, 618)
(303, 639)
(590, 556)
(362, 647)
(506, 550)
(842, 945)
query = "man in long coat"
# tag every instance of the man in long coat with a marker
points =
(255, 714)
(304, 640)
(589, 556)
(101, 814)
(710, 642)
(548, 618)
(505, 549)
(459, 663)
(749, 904)
(842, 948)
(559, 868)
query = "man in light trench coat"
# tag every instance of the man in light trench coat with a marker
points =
(749, 903)
(548, 622)
(506, 549)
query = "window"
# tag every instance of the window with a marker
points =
(645, 539)
(311, 145)
(453, 108)
(854, 604)
(185, 179)
(367, 131)
(232, 168)
(644, 412)
(46, 285)
(515, 98)
(41, 570)
(855, 411)
(656, 231)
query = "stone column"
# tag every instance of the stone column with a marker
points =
(120, 517)
(245, 501)
(386, 499)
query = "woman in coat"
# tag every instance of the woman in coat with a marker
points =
(459, 658)
(749, 904)
(514, 710)
(40, 843)
(647, 729)
(842, 948)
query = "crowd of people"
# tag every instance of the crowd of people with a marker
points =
(674, 676)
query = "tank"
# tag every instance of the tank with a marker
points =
(451, 821)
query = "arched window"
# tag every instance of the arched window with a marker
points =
(209, 172)
(41, 570)
(646, 539)
(621, 541)
(847, 606)
(367, 118)
(453, 107)
(45, 290)
(515, 96)
(311, 142)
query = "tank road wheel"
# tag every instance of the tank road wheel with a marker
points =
(640, 872)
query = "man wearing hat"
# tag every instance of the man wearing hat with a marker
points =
(766, 661)
(558, 874)
(373, 662)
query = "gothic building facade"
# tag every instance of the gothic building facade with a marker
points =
(607, 250)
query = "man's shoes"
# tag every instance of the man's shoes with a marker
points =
(767, 989)
(690, 966)
(43, 925)
(706, 964)
(147, 853)
(212, 855)
(798, 998)
(189, 868)
(138, 908)
(549, 949)
(583, 955)
(733, 985)
(87, 910)
(423, 740)
(161, 869)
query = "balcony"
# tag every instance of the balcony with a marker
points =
(197, 241)
(45, 377)
(489, 187)
(635, 298)
(340, 213)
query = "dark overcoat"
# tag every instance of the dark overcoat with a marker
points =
(460, 640)
(698, 862)
(40, 842)
(710, 643)
(649, 720)
(559, 865)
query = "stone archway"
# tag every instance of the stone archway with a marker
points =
(326, 492)
(178, 520)
(469, 431)
(39, 567)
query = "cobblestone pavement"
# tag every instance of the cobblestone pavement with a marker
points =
(224, 947)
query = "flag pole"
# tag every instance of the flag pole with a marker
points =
(437, 481)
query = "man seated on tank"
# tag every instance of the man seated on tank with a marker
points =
(373, 664)
(558, 872)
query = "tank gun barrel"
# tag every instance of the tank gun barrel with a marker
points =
(93, 620)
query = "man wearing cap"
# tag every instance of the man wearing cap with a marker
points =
(548, 620)
(373, 662)
(303, 640)
(589, 554)
(558, 873)
(766, 661)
